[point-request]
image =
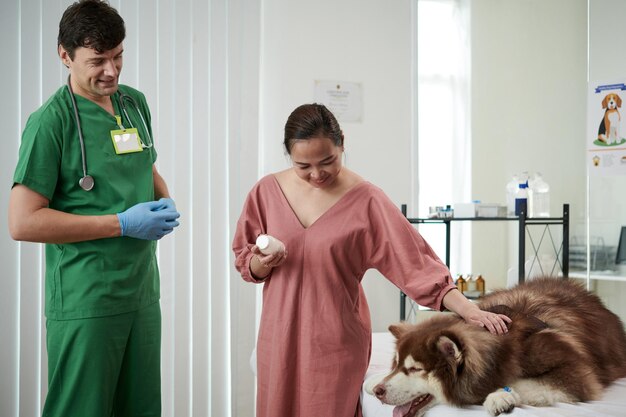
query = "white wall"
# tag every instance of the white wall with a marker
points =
(529, 62)
(368, 42)
(529, 112)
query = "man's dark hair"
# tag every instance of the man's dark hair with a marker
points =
(90, 24)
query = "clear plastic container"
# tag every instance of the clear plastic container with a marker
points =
(511, 190)
(539, 198)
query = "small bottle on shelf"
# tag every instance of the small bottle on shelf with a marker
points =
(480, 284)
(470, 283)
(472, 288)
(461, 285)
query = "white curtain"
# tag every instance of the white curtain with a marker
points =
(443, 142)
(197, 61)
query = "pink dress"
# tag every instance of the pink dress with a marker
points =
(314, 341)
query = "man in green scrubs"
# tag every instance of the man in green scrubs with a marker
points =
(100, 213)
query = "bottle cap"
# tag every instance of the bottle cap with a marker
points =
(263, 241)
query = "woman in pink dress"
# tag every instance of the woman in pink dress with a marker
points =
(314, 339)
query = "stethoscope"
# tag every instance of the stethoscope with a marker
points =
(87, 182)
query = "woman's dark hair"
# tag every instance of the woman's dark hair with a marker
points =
(90, 24)
(311, 121)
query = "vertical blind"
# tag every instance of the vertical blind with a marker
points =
(197, 61)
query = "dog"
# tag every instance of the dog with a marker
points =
(609, 131)
(563, 345)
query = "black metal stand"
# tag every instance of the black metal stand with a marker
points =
(524, 223)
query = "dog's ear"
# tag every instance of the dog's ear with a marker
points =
(399, 329)
(604, 102)
(449, 349)
(619, 100)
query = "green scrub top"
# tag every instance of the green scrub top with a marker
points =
(105, 276)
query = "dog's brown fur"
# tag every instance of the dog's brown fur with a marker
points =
(562, 340)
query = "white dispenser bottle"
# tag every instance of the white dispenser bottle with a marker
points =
(521, 198)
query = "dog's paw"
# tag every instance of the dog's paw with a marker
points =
(501, 401)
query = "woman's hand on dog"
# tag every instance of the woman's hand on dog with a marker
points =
(495, 323)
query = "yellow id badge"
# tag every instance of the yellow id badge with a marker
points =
(126, 141)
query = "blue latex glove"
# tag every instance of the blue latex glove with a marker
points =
(167, 203)
(150, 220)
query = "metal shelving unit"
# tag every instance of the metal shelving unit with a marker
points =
(524, 223)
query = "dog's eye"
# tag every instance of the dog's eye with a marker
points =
(413, 369)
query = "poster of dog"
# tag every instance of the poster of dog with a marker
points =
(606, 140)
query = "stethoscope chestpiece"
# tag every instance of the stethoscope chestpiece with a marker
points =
(86, 182)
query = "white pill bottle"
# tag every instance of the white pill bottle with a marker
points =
(269, 245)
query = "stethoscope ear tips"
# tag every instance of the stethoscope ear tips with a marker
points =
(86, 182)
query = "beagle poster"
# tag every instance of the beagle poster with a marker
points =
(606, 131)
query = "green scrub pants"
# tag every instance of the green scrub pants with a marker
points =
(105, 366)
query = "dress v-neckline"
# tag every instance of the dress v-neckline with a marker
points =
(321, 216)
